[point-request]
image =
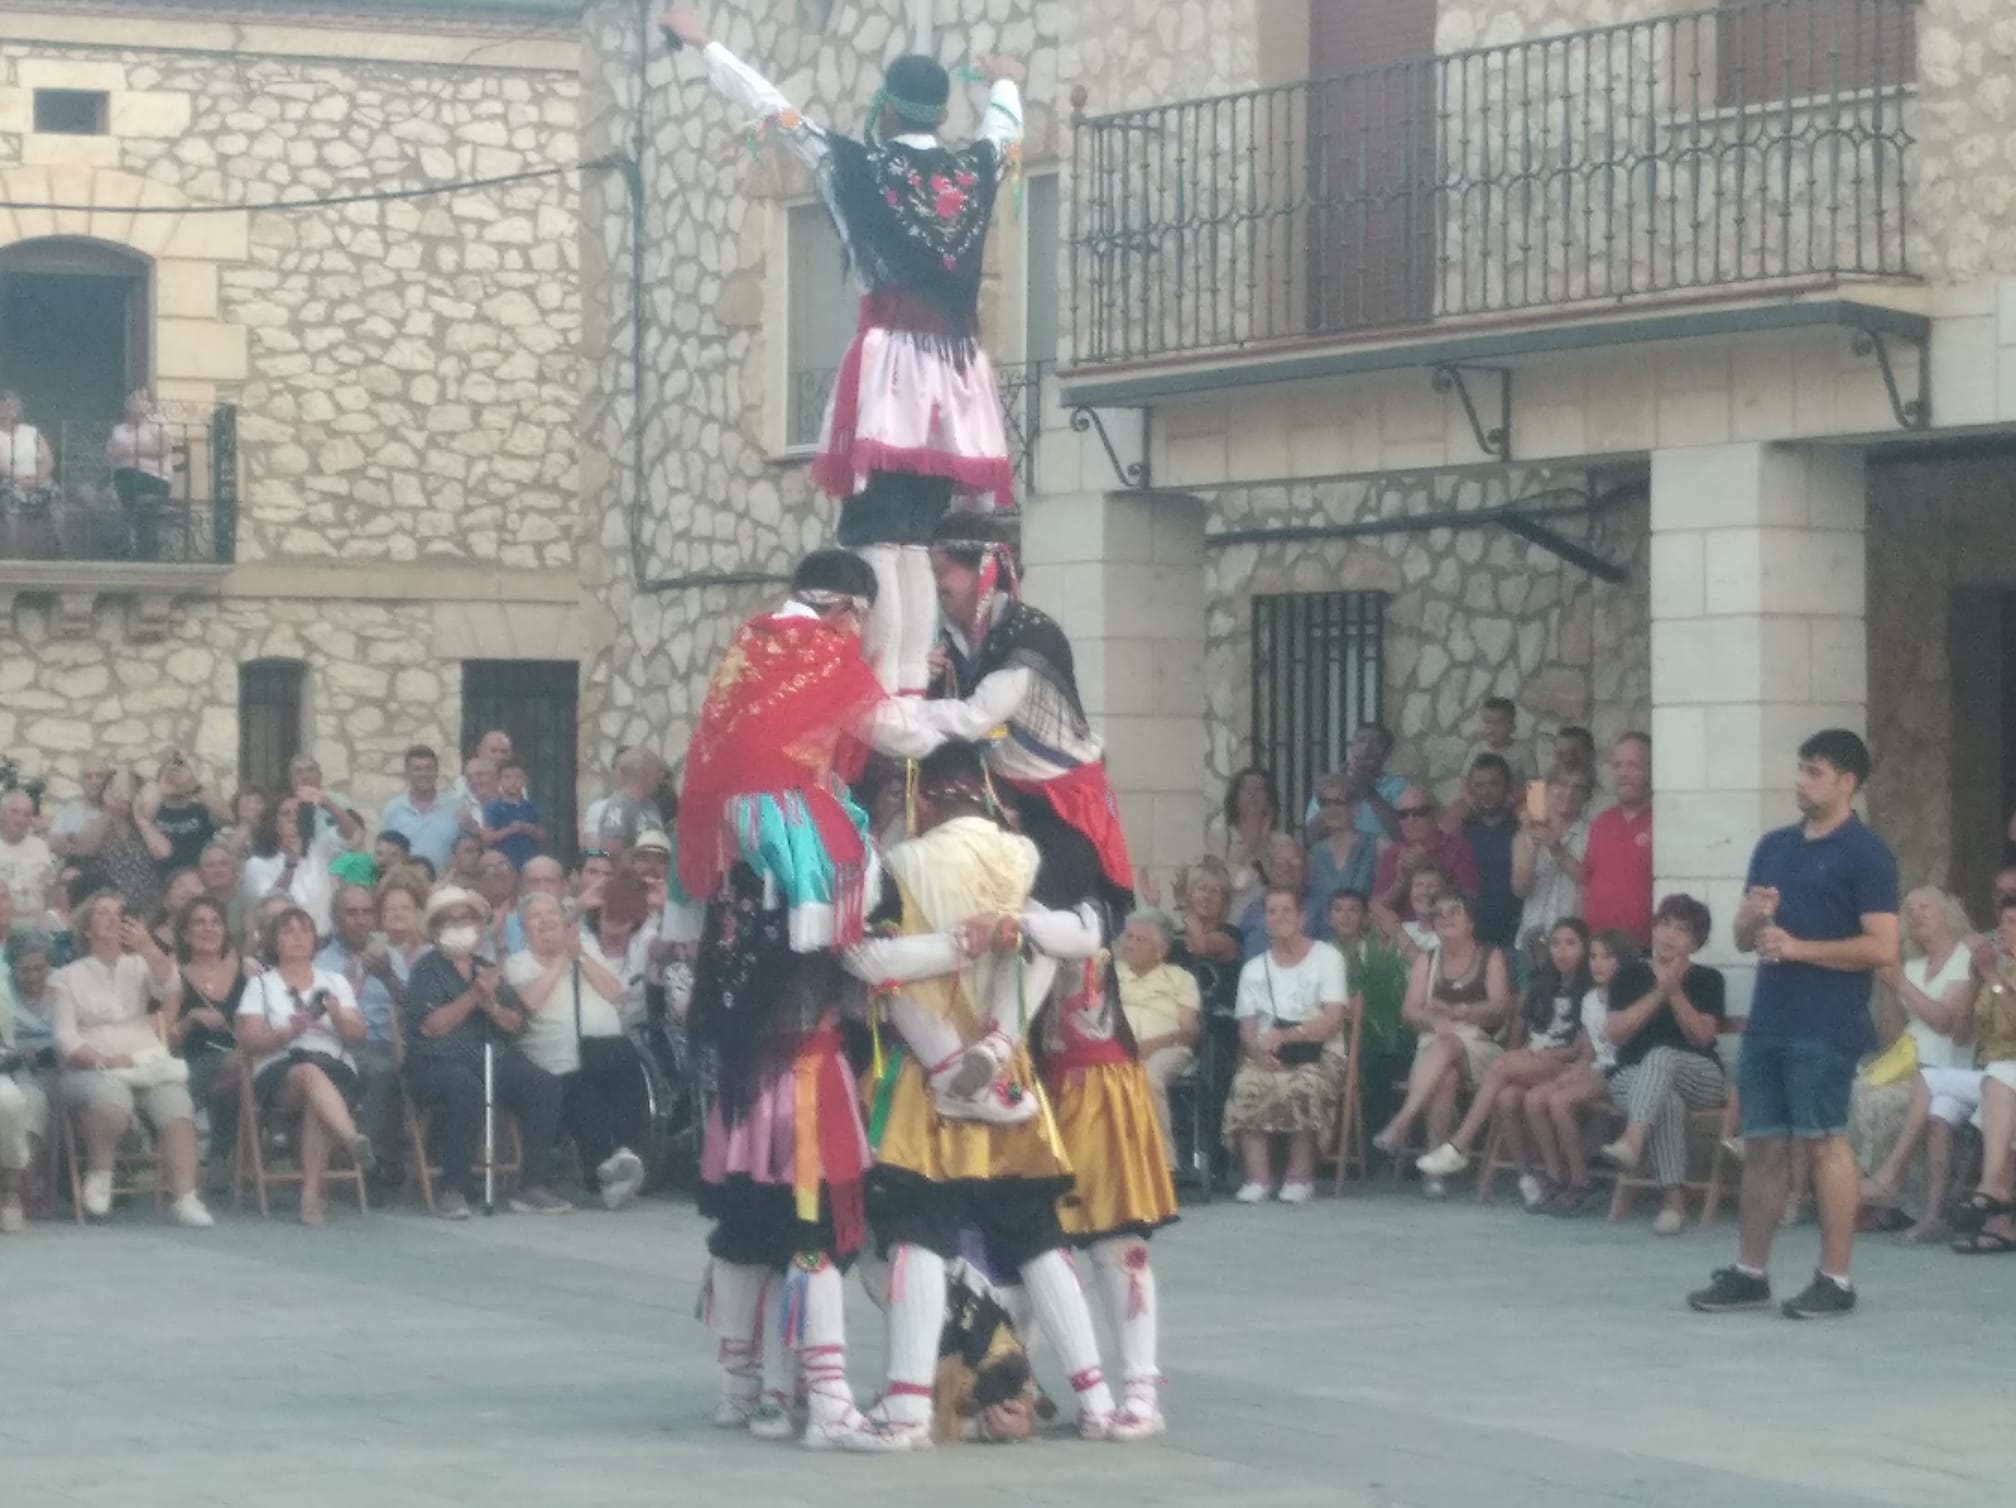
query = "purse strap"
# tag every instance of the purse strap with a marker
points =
(577, 1000)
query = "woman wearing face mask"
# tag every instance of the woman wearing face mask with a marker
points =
(455, 1003)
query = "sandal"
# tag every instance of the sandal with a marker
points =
(1978, 1210)
(1985, 1243)
(1884, 1222)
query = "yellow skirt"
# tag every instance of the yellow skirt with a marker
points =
(916, 1139)
(1107, 1116)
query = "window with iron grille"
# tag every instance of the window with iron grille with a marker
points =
(819, 317)
(1319, 674)
(1802, 49)
(536, 702)
(269, 721)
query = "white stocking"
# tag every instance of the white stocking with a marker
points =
(917, 630)
(916, 1323)
(930, 1035)
(882, 635)
(822, 1351)
(734, 1310)
(1128, 1282)
(1014, 1297)
(1067, 1324)
(780, 1362)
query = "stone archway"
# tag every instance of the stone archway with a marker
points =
(76, 326)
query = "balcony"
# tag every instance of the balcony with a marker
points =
(91, 530)
(1700, 158)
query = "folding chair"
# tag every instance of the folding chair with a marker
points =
(136, 1165)
(510, 1147)
(1720, 1122)
(1351, 1143)
(278, 1138)
(1190, 1103)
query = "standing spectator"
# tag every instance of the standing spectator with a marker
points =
(452, 1008)
(390, 851)
(475, 790)
(1252, 817)
(497, 883)
(493, 748)
(248, 805)
(1379, 789)
(591, 820)
(1286, 868)
(115, 848)
(1342, 858)
(1489, 828)
(141, 454)
(465, 863)
(428, 820)
(1820, 911)
(633, 810)
(177, 818)
(375, 974)
(1617, 867)
(1207, 944)
(1575, 747)
(1548, 855)
(591, 880)
(512, 824)
(292, 854)
(1664, 1018)
(304, 779)
(1497, 735)
(82, 811)
(26, 462)
(223, 883)
(114, 1060)
(28, 1047)
(1422, 845)
(298, 1024)
(27, 867)
(1162, 1007)
(16, 1119)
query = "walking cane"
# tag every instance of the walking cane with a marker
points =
(489, 1121)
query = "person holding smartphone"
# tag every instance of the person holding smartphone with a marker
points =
(1549, 850)
(293, 849)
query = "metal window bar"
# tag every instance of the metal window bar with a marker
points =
(1759, 141)
(1319, 674)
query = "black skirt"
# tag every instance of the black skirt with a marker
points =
(267, 1081)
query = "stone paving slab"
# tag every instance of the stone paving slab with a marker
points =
(1369, 1352)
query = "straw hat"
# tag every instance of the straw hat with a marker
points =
(455, 898)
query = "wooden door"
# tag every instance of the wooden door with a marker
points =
(536, 702)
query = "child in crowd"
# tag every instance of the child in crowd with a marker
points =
(1497, 732)
(512, 824)
(1556, 1110)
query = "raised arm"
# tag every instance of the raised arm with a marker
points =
(1071, 935)
(745, 88)
(1001, 122)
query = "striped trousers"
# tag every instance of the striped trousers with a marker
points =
(1658, 1091)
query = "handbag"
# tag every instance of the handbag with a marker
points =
(1289, 1054)
(598, 1054)
(1894, 1064)
(155, 1068)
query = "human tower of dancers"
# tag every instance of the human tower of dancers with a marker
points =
(1004, 1118)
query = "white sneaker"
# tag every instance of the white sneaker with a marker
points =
(189, 1211)
(1434, 1188)
(1531, 1190)
(1668, 1223)
(1443, 1161)
(1250, 1193)
(620, 1177)
(1297, 1193)
(98, 1195)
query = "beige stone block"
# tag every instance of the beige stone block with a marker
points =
(209, 237)
(148, 114)
(1834, 486)
(1760, 390)
(1410, 411)
(1331, 432)
(1195, 461)
(1966, 371)
(1965, 300)
(1710, 834)
(203, 348)
(1839, 659)
(1815, 393)
(58, 151)
(1622, 406)
(1541, 433)
(1680, 734)
(1782, 571)
(1713, 660)
(69, 73)
(17, 111)
(1154, 754)
(1754, 747)
(185, 290)
(1257, 446)
(1177, 523)
(1677, 584)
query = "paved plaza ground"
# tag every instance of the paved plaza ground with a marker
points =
(1373, 1350)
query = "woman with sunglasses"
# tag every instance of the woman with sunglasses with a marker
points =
(1422, 844)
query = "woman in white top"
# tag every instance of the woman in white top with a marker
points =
(617, 936)
(1293, 1003)
(1930, 1000)
(297, 1024)
(286, 863)
(574, 1031)
(1556, 1110)
(26, 461)
(141, 453)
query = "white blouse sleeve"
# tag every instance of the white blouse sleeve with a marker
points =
(1063, 934)
(997, 698)
(742, 85)
(925, 955)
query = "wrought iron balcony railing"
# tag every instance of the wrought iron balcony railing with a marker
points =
(1020, 384)
(1758, 142)
(93, 505)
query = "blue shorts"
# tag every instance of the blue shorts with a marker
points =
(1795, 1086)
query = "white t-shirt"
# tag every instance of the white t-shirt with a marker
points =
(20, 455)
(148, 447)
(28, 867)
(631, 968)
(270, 996)
(1272, 991)
(549, 1037)
(1561, 1026)
(1554, 894)
(313, 888)
(1595, 1011)
(1935, 1051)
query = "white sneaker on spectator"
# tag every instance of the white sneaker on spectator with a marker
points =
(189, 1211)
(13, 1219)
(1434, 1188)
(535, 1199)
(1443, 1161)
(1531, 1190)
(98, 1195)
(1297, 1193)
(620, 1176)
(1668, 1223)
(1251, 1193)
(450, 1204)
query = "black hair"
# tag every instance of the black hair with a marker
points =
(1385, 734)
(1491, 762)
(1547, 981)
(1689, 913)
(1502, 704)
(966, 537)
(840, 571)
(397, 839)
(421, 751)
(1239, 778)
(1842, 749)
(1348, 893)
(915, 79)
(951, 765)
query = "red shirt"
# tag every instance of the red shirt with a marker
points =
(1617, 874)
(1450, 853)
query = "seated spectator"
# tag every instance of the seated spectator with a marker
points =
(1293, 1003)
(223, 882)
(1287, 869)
(141, 456)
(375, 970)
(1459, 998)
(27, 866)
(1664, 1019)
(1252, 819)
(616, 937)
(114, 1059)
(1344, 858)
(297, 1024)
(1933, 994)
(30, 1046)
(1414, 936)
(204, 1033)
(1379, 788)
(18, 1130)
(497, 883)
(1556, 1109)
(1207, 946)
(291, 853)
(1553, 1039)
(512, 824)
(1421, 845)
(248, 806)
(1378, 976)
(1987, 1220)
(178, 889)
(114, 849)
(465, 864)
(1547, 855)
(591, 879)
(574, 1031)
(1162, 1007)
(424, 817)
(451, 1010)
(389, 851)
(1491, 827)
(540, 876)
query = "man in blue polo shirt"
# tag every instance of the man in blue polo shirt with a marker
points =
(1820, 912)
(421, 814)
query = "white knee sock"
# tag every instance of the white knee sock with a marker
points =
(780, 1362)
(929, 1035)
(734, 1307)
(1128, 1282)
(916, 1321)
(1060, 1309)
(822, 1351)
(917, 630)
(882, 635)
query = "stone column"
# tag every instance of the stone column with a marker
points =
(1759, 638)
(1124, 573)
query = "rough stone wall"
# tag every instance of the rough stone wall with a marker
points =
(1471, 613)
(414, 368)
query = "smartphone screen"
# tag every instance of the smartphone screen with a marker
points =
(1536, 800)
